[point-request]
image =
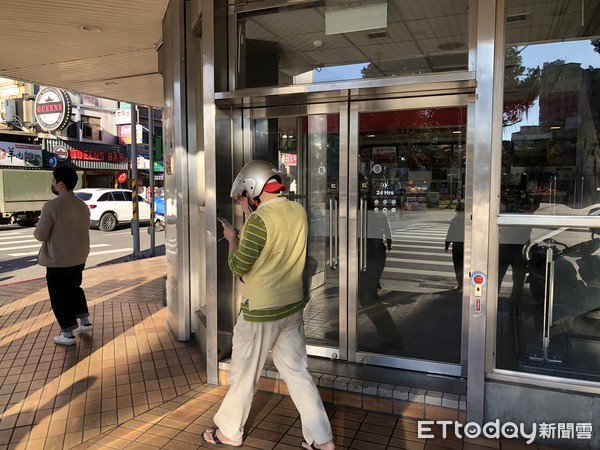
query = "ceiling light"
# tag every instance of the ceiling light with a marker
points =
(91, 29)
(378, 35)
(457, 132)
(370, 135)
(555, 128)
(347, 19)
(517, 18)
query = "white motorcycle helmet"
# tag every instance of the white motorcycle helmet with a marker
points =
(255, 177)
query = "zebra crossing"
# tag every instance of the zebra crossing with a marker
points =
(21, 243)
(418, 258)
(418, 252)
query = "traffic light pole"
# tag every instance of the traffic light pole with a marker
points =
(151, 157)
(135, 221)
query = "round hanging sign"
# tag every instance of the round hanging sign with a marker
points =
(52, 109)
(61, 153)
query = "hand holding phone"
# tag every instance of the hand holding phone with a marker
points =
(229, 231)
(225, 222)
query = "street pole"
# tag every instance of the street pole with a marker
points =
(135, 222)
(151, 158)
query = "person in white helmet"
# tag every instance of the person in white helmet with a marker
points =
(269, 257)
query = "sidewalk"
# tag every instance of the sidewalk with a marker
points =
(131, 385)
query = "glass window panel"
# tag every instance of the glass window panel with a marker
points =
(288, 46)
(119, 196)
(306, 151)
(549, 302)
(550, 148)
(411, 232)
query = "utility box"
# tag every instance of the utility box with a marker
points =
(8, 110)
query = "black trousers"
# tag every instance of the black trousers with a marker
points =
(66, 295)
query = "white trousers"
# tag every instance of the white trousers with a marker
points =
(251, 344)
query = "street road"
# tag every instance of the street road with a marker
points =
(19, 249)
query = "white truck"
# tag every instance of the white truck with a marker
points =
(23, 193)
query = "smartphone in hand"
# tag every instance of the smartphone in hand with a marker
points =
(225, 222)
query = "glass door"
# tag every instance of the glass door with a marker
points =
(383, 184)
(406, 272)
(307, 150)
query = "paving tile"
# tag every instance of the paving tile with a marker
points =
(131, 385)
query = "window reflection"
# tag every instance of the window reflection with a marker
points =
(550, 150)
(554, 328)
(410, 232)
(293, 45)
(549, 277)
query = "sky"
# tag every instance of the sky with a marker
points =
(533, 56)
(580, 52)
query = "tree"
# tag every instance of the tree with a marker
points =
(521, 87)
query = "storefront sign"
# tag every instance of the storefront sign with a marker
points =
(88, 100)
(85, 155)
(20, 155)
(289, 159)
(52, 109)
(96, 155)
(124, 133)
(143, 159)
(123, 116)
(61, 153)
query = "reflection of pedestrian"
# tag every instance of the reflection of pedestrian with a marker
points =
(63, 229)
(270, 259)
(512, 241)
(456, 237)
(379, 240)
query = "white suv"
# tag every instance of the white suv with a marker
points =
(109, 207)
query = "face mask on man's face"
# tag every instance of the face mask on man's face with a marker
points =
(54, 191)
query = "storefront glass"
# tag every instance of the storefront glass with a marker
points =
(551, 116)
(342, 41)
(549, 302)
(547, 276)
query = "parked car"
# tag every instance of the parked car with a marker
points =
(109, 207)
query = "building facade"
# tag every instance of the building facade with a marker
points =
(87, 135)
(447, 155)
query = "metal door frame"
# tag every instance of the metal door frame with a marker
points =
(357, 107)
(348, 103)
(341, 108)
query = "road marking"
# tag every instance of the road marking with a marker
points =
(11, 235)
(19, 242)
(18, 247)
(35, 253)
(116, 250)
